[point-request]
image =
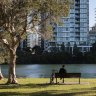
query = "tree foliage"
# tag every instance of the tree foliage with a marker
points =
(4, 54)
(19, 16)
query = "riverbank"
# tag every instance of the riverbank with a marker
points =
(41, 87)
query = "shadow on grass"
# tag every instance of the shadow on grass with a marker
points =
(44, 93)
(71, 92)
(94, 88)
(30, 85)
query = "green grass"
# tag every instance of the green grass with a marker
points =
(41, 87)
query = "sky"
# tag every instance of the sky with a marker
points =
(92, 12)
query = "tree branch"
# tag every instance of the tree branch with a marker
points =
(5, 42)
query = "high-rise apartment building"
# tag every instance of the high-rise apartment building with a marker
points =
(32, 39)
(73, 28)
(92, 35)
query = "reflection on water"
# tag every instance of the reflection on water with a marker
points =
(44, 70)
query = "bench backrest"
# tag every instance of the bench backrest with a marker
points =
(67, 75)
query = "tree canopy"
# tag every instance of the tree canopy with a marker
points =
(14, 16)
(17, 17)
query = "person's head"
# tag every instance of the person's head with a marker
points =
(63, 66)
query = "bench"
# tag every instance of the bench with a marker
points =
(68, 75)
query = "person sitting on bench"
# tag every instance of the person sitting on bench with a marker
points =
(62, 71)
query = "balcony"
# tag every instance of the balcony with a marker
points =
(77, 3)
(77, 25)
(77, 11)
(77, 16)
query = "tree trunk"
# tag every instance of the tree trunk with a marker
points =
(12, 65)
(1, 76)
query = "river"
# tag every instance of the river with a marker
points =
(44, 70)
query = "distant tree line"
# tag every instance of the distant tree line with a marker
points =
(57, 56)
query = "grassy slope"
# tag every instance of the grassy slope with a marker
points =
(40, 87)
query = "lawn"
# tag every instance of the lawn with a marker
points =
(41, 87)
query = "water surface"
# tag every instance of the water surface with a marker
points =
(44, 70)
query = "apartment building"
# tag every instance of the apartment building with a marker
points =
(92, 35)
(74, 27)
(32, 39)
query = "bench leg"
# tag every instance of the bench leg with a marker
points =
(79, 80)
(63, 80)
(50, 80)
(56, 80)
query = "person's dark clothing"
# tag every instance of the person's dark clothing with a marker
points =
(62, 71)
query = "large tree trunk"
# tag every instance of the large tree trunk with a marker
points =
(12, 65)
(1, 76)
